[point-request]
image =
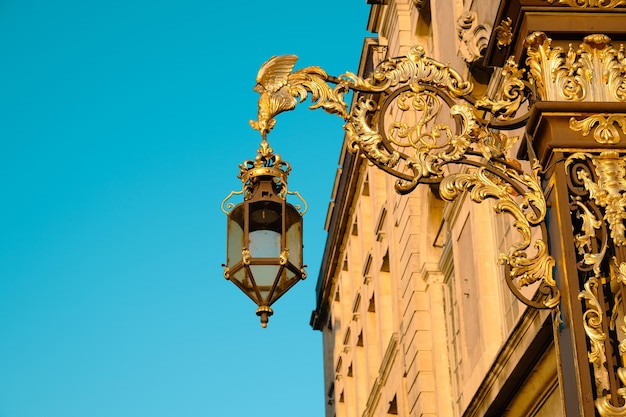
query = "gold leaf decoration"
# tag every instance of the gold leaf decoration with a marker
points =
(596, 71)
(503, 33)
(608, 190)
(511, 93)
(593, 318)
(482, 184)
(601, 4)
(605, 131)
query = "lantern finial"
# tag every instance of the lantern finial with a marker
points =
(264, 312)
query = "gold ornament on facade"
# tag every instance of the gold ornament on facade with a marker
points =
(584, 241)
(598, 192)
(605, 404)
(618, 278)
(415, 70)
(524, 270)
(594, 322)
(503, 33)
(608, 190)
(605, 131)
(594, 72)
(601, 4)
(593, 319)
(360, 136)
(511, 93)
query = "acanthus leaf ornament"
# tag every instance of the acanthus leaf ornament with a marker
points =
(511, 93)
(592, 322)
(596, 71)
(415, 70)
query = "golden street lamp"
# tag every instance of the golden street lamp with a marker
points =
(264, 238)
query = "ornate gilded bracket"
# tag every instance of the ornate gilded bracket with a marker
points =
(414, 116)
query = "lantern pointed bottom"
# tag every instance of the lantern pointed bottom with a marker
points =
(264, 312)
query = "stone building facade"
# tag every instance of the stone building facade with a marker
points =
(416, 316)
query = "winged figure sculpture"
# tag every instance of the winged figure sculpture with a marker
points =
(273, 84)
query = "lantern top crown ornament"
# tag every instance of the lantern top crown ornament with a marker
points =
(266, 164)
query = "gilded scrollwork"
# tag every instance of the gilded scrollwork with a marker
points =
(428, 137)
(593, 318)
(605, 407)
(416, 84)
(413, 116)
(362, 137)
(618, 278)
(605, 131)
(416, 70)
(483, 184)
(595, 324)
(608, 189)
(585, 240)
(597, 187)
(511, 94)
(605, 403)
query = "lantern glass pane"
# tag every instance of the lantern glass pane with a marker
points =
(294, 235)
(264, 244)
(288, 279)
(234, 237)
(264, 276)
(243, 281)
(265, 215)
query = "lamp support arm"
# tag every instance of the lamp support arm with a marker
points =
(412, 117)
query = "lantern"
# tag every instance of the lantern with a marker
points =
(264, 236)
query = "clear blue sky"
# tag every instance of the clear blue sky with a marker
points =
(122, 123)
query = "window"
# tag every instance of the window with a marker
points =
(453, 327)
(511, 306)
